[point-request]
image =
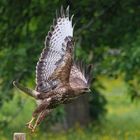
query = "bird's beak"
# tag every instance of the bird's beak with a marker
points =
(89, 90)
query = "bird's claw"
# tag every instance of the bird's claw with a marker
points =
(33, 130)
(29, 124)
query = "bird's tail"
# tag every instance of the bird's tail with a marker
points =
(26, 90)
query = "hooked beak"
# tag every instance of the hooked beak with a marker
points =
(89, 90)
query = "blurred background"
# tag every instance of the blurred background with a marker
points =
(107, 35)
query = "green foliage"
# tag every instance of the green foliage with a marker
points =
(107, 34)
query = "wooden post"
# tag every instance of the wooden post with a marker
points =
(19, 136)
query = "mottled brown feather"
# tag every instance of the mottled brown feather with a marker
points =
(52, 57)
(80, 75)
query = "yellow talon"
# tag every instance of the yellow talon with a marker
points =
(36, 122)
(29, 124)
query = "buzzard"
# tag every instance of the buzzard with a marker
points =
(59, 77)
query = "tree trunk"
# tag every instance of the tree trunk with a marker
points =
(77, 112)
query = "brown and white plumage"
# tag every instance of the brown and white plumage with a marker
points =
(59, 77)
(61, 32)
(80, 73)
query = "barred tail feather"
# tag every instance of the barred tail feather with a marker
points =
(26, 90)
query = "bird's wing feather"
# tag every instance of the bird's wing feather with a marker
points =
(80, 74)
(63, 71)
(54, 51)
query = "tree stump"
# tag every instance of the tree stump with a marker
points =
(19, 136)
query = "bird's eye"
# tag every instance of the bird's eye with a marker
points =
(86, 89)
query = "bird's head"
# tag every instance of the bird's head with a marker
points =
(81, 90)
(85, 90)
(80, 87)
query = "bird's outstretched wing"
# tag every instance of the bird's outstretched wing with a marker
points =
(80, 75)
(53, 59)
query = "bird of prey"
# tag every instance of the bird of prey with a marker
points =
(59, 77)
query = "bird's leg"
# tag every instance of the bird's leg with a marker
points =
(38, 113)
(35, 125)
(43, 106)
(41, 117)
(29, 124)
